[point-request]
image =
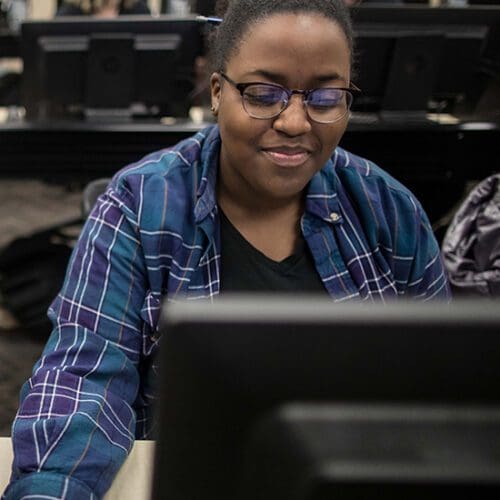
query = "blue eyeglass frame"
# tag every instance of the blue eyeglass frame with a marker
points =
(241, 87)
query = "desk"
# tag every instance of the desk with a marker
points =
(433, 160)
(83, 149)
(133, 481)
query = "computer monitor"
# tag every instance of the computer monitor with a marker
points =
(420, 58)
(397, 69)
(228, 365)
(83, 67)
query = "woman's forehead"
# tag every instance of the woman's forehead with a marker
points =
(300, 39)
(301, 29)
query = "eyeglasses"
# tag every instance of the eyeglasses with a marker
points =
(267, 100)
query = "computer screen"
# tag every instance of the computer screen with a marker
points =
(126, 66)
(225, 366)
(420, 58)
(396, 68)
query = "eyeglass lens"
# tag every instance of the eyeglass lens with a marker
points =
(324, 105)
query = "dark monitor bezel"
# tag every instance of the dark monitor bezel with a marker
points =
(224, 365)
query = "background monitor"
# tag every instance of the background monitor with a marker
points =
(76, 67)
(225, 366)
(396, 68)
(420, 58)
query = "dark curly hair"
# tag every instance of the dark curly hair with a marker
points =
(239, 15)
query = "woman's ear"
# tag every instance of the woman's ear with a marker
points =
(215, 92)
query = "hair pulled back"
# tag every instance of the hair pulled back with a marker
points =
(239, 15)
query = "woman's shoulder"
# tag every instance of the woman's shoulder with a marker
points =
(173, 172)
(363, 177)
(180, 160)
(365, 170)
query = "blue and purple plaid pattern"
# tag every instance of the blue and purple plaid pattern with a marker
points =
(154, 234)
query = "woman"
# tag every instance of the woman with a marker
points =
(264, 201)
(103, 8)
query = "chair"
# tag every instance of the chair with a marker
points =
(32, 268)
(91, 192)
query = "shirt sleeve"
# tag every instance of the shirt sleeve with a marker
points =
(428, 279)
(76, 422)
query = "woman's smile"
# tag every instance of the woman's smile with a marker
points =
(285, 156)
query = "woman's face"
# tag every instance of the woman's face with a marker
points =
(272, 160)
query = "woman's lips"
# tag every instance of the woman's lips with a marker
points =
(287, 158)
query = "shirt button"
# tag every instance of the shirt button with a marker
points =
(334, 216)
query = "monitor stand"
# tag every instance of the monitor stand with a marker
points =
(110, 74)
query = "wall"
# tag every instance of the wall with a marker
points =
(42, 9)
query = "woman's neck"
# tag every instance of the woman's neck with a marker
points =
(272, 228)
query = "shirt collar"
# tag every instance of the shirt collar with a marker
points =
(322, 194)
(321, 198)
(209, 159)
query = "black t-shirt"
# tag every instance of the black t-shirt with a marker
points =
(246, 269)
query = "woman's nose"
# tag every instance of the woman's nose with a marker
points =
(293, 120)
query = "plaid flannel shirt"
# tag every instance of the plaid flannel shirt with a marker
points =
(155, 234)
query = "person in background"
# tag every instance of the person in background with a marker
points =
(16, 12)
(264, 201)
(103, 8)
(355, 3)
(204, 7)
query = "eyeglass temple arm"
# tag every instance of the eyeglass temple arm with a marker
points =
(354, 88)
